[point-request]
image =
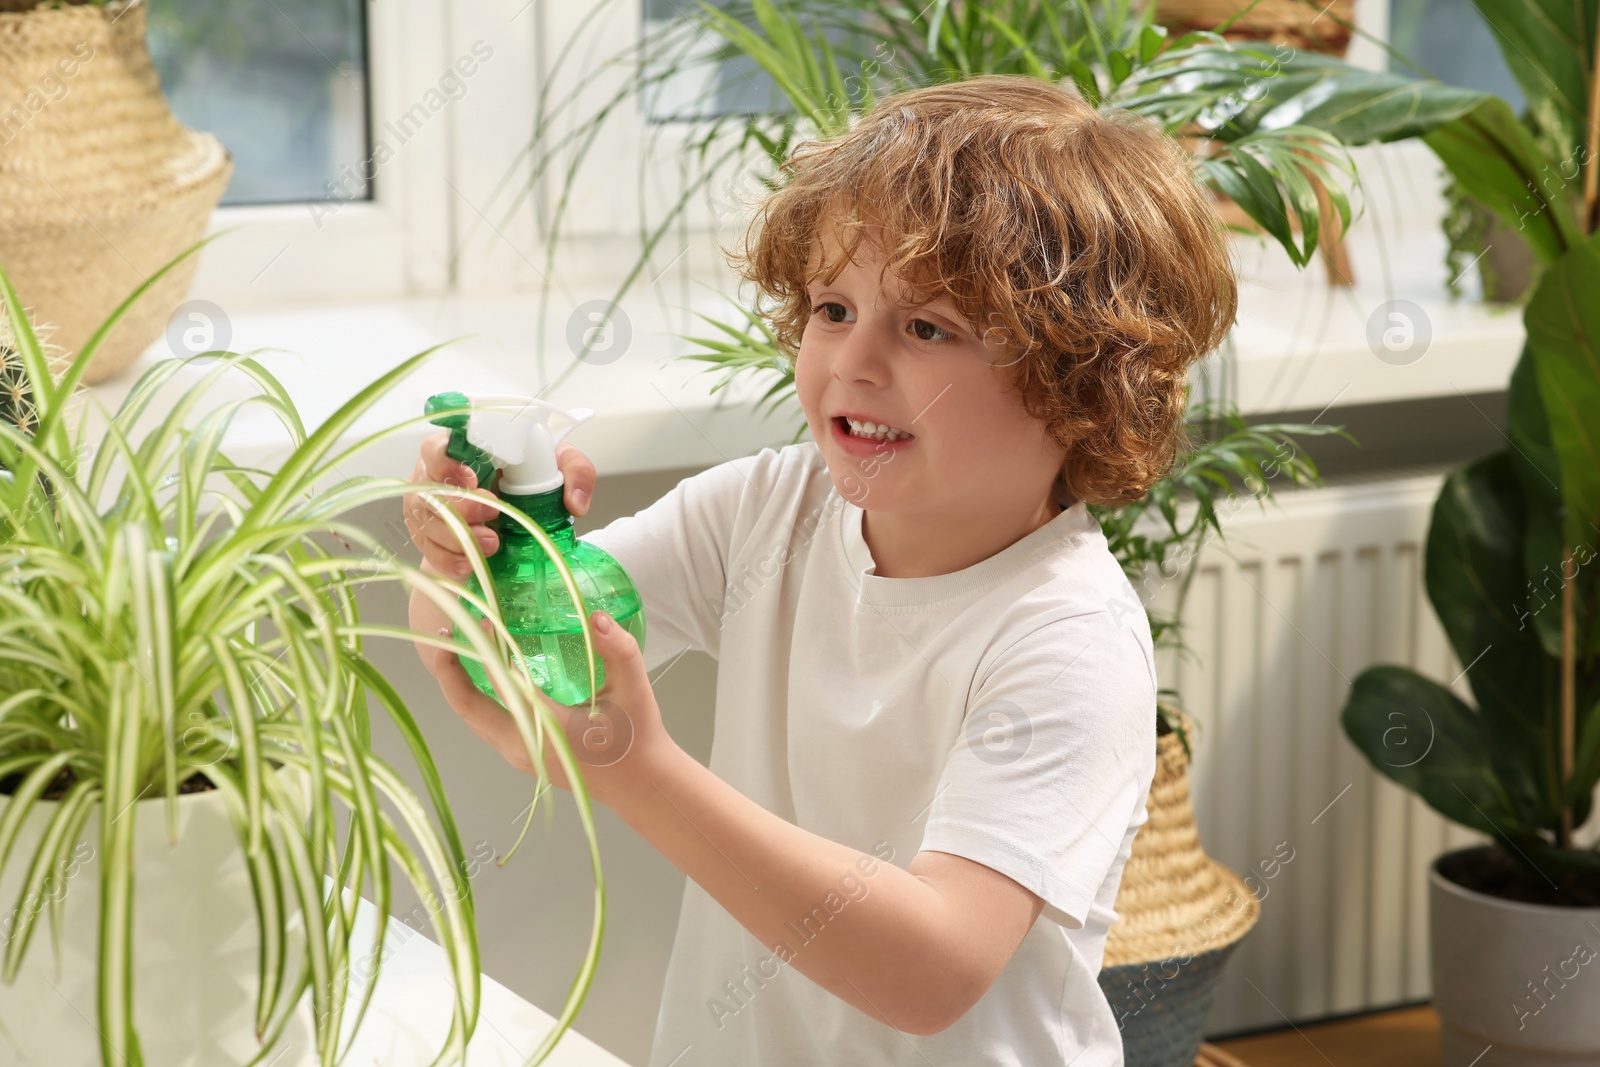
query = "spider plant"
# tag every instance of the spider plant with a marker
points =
(182, 626)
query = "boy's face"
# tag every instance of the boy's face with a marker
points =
(925, 371)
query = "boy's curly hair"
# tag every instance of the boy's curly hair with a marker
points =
(1081, 234)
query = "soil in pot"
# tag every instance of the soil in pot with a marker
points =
(195, 783)
(1490, 871)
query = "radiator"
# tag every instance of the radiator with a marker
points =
(1281, 616)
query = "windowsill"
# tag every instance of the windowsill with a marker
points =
(1301, 344)
(652, 411)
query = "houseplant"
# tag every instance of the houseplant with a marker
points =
(185, 709)
(1508, 569)
(100, 185)
(1548, 53)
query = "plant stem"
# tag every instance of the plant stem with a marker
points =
(1591, 176)
(1569, 575)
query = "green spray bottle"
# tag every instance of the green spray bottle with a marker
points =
(510, 433)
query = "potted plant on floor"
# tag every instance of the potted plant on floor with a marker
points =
(189, 798)
(1512, 923)
(100, 184)
(1510, 570)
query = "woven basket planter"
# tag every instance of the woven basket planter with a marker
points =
(1296, 23)
(1179, 916)
(100, 185)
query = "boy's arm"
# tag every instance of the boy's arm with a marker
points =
(915, 950)
(1004, 843)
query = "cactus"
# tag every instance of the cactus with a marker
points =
(16, 394)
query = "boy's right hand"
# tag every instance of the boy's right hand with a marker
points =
(440, 551)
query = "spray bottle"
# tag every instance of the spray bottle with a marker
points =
(512, 434)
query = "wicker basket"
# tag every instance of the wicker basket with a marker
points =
(1180, 915)
(1310, 27)
(100, 185)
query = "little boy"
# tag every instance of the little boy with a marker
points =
(935, 718)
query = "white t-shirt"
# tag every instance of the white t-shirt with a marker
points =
(1004, 712)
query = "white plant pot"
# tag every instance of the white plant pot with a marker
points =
(1520, 980)
(194, 948)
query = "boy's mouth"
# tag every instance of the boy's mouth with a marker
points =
(866, 438)
(860, 426)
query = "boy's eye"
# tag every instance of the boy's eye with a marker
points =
(927, 331)
(924, 330)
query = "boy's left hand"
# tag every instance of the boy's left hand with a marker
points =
(611, 747)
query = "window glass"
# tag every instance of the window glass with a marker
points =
(1451, 40)
(283, 84)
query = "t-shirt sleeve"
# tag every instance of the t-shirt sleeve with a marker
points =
(677, 551)
(1054, 762)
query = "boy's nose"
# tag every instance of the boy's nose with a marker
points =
(859, 358)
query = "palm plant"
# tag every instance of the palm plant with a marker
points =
(183, 628)
(1154, 542)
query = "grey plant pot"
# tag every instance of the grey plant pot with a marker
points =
(1521, 981)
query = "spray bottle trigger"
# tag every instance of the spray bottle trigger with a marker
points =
(458, 422)
(575, 418)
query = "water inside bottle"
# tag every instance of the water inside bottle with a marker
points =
(555, 658)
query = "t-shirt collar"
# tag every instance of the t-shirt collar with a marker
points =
(1072, 522)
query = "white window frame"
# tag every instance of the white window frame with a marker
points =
(600, 227)
(396, 243)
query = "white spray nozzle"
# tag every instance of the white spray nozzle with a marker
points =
(516, 431)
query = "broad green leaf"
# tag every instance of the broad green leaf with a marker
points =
(1151, 38)
(1474, 577)
(1355, 105)
(1121, 66)
(1494, 158)
(1420, 735)
(1547, 44)
(1563, 324)
(1539, 473)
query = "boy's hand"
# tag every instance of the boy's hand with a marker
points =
(613, 747)
(430, 533)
